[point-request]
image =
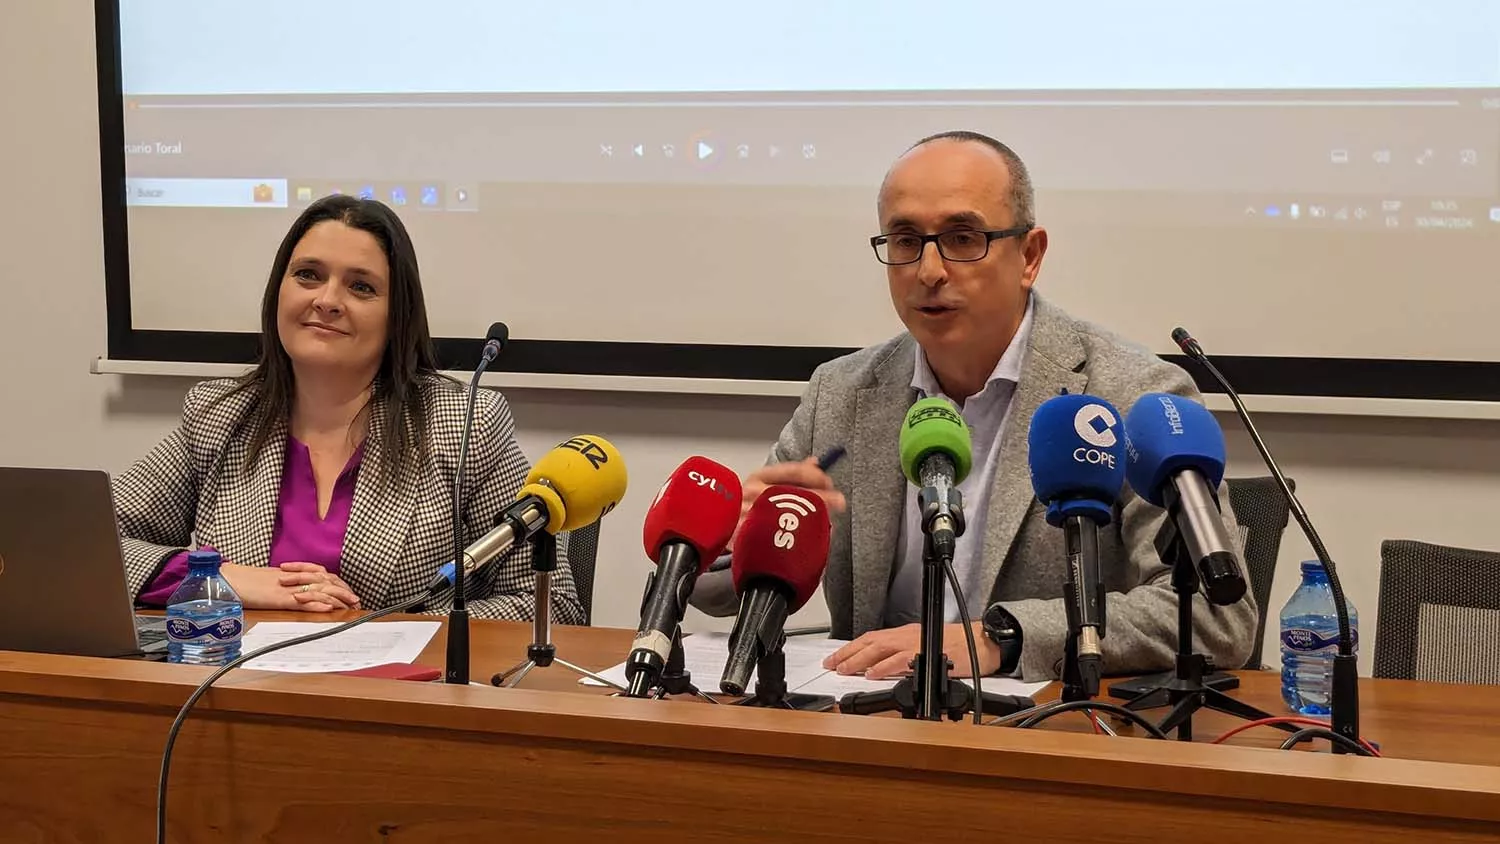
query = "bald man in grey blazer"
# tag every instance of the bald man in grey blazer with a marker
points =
(962, 252)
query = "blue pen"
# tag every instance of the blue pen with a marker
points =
(830, 457)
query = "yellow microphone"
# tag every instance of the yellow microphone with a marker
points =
(574, 484)
(579, 481)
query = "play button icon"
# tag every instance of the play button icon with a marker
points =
(704, 150)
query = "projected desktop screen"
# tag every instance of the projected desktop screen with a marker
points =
(1304, 182)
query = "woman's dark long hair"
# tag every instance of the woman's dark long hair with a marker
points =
(409, 356)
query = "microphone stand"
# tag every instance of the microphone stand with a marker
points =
(1185, 690)
(770, 683)
(541, 653)
(1343, 701)
(675, 678)
(1083, 551)
(928, 694)
(456, 669)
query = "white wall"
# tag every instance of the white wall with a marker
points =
(1362, 479)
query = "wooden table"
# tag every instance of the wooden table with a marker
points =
(290, 758)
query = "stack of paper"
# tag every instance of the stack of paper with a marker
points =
(367, 645)
(704, 655)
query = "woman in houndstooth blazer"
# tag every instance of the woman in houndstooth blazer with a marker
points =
(344, 437)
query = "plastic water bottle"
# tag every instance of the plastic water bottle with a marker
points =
(205, 618)
(1310, 640)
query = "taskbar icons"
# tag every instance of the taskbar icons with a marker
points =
(1382, 213)
(1385, 157)
(413, 194)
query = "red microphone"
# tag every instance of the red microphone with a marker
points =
(686, 528)
(779, 557)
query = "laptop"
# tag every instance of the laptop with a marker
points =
(62, 574)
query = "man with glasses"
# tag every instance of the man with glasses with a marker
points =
(962, 251)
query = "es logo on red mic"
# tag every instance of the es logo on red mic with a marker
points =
(794, 508)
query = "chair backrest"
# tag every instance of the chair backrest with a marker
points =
(1261, 512)
(583, 548)
(1439, 618)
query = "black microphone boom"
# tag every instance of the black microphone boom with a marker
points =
(661, 612)
(457, 670)
(1344, 695)
(516, 524)
(758, 629)
(1085, 606)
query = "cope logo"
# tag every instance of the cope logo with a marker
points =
(592, 451)
(794, 508)
(1095, 424)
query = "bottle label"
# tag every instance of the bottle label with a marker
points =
(1311, 641)
(184, 631)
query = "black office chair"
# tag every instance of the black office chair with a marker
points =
(1262, 513)
(583, 549)
(1439, 618)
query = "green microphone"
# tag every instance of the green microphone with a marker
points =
(936, 457)
(935, 439)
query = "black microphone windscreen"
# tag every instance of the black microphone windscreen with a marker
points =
(1182, 338)
(499, 333)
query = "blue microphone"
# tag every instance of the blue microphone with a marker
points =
(1077, 454)
(1076, 451)
(1175, 460)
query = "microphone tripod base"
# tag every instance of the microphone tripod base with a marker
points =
(675, 678)
(1138, 686)
(793, 700)
(1188, 690)
(958, 702)
(1189, 687)
(512, 677)
(680, 684)
(541, 653)
(770, 686)
(928, 693)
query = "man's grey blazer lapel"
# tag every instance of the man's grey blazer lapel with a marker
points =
(880, 487)
(1051, 364)
(379, 518)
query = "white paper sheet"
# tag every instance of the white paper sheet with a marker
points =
(704, 654)
(838, 685)
(376, 643)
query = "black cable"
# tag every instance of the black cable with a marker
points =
(166, 756)
(1037, 709)
(963, 615)
(1075, 705)
(1310, 733)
